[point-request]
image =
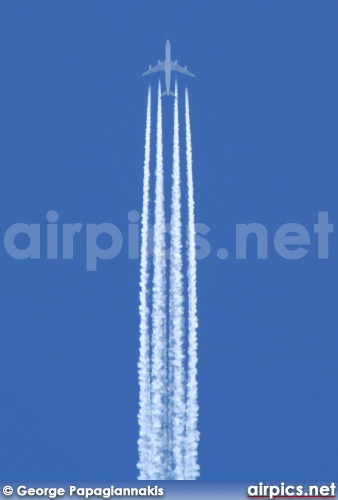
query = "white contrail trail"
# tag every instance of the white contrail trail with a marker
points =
(159, 338)
(192, 434)
(144, 415)
(168, 407)
(176, 309)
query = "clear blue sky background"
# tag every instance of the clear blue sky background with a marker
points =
(264, 122)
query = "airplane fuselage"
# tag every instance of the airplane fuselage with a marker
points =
(167, 66)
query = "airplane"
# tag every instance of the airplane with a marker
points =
(167, 66)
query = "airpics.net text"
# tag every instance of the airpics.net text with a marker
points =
(105, 241)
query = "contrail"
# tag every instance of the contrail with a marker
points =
(144, 415)
(159, 340)
(177, 410)
(192, 434)
(167, 368)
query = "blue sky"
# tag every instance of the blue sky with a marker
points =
(264, 124)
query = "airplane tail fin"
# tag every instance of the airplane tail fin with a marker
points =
(170, 93)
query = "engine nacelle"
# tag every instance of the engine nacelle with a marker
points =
(149, 66)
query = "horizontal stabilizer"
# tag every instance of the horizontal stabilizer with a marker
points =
(170, 93)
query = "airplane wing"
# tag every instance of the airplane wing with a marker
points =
(158, 67)
(177, 67)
